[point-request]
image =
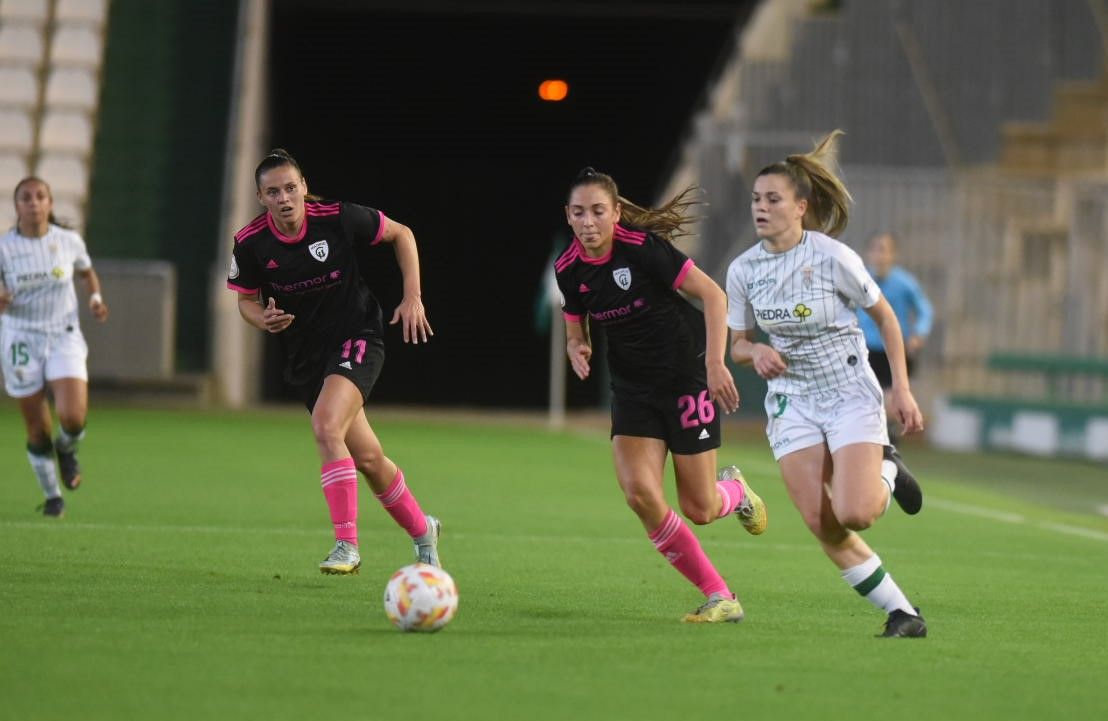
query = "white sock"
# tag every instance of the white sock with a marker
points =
(869, 579)
(66, 443)
(888, 475)
(46, 472)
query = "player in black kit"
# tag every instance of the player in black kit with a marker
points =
(666, 359)
(297, 269)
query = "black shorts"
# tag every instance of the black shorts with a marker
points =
(359, 359)
(687, 421)
(879, 362)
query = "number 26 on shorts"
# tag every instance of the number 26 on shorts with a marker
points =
(696, 411)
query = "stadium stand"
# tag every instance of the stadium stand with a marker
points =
(50, 69)
(982, 144)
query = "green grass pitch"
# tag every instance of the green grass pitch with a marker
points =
(183, 584)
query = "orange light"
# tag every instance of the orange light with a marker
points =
(553, 90)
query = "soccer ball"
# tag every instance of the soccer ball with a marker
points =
(420, 597)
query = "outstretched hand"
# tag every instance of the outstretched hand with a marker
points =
(907, 412)
(274, 319)
(413, 319)
(98, 308)
(768, 363)
(579, 357)
(721, 388)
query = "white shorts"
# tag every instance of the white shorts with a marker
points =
(31, 358)
(853, 413)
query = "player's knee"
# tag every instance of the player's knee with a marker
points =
(370, 462)
(822, 528)
(327, 429)
(696, 512)
(857, 515)
(643, 502)
(72, 422)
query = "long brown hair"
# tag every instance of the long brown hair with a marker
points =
(666, 222)
(813, 179)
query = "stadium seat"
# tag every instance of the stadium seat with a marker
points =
(66, 174)
(26, 10)
(76, 44)
(13, 168)
(68, 130)
(18, 86)
(22, 43)
(89, 11)
(15, 130)
(71, 87)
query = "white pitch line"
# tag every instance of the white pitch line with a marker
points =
(979, 511)
(946, 505)
(1075, 531)
(1006, 517)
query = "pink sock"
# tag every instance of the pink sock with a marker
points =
(732, 494)
(403, 507)
(676, 542)
(340, 487)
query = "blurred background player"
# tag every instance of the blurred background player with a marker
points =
(40, 337)
(909, 303)
(669, 379)
(826, 416)
(297, 268)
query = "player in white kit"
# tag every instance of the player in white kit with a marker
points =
(40, 339)
(826, 414)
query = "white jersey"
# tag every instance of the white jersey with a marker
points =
(805, 300)
(38, 272)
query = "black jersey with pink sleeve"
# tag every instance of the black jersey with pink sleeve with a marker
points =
(656, 338)
(315, 276)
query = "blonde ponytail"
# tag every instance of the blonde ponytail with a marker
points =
(814, 179)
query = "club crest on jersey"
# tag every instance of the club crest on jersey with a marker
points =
(622, 277)
(319, 250)
(234, 271)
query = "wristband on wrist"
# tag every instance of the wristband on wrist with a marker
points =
(96, 298)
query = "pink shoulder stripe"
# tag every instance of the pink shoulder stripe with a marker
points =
(382, 222)
(317, 205)
(688, 266)
(321, 212)
(634, 237)
(251, 228)
(240, 289)
(567, 258)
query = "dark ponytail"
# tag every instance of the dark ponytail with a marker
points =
(275, 159)
(667, 222)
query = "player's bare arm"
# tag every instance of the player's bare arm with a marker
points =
(578, 348)
(900, 395)
(410, 313)
(766, 361)
(721, 385)
(269, 318)
(96, 304)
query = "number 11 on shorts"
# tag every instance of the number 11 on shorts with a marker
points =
(359, 346)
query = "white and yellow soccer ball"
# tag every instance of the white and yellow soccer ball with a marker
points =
(421, 597)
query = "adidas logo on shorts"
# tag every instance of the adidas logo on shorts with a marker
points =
(704, 434)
